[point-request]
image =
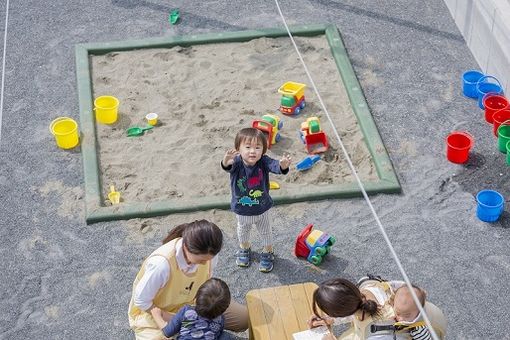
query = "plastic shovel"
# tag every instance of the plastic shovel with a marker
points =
(114, 196)
(174, 16)
(274, 185)
(137, 131)
(307, 162)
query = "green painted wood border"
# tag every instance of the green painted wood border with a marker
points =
(96, 211)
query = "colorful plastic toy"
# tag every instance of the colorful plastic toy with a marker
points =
(293, 98)
(274, 185)
(270, 125)
(307, 162)
(312, 135)
(174, 16)
(152, 118)
(114, 196)
(313, 244)
(137, 131)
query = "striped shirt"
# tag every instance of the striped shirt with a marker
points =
(420, 333)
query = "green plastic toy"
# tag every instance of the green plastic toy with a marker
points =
(137, 131)
(174, 16)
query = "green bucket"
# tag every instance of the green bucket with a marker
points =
(503, 137)
(508, 153)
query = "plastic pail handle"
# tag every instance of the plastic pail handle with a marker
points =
(483, 80)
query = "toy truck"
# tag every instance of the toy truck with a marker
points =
(293, 98)
(313, 244)
(312, 135)
(270, 125)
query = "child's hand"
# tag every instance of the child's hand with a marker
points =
(228, 159)
(285, 161)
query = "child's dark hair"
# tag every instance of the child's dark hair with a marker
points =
(212, 299)
(340, 298)
(250, 134)
(200, 237)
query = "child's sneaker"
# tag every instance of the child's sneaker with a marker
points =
(266, 262)
(243, 257)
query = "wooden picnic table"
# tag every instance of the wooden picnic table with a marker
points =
(277, 312)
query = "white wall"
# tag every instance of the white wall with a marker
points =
(485, 25)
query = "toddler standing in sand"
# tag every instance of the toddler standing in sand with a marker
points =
(249, 170)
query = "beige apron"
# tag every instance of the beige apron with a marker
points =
(177, 292)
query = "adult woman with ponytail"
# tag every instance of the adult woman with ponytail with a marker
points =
(364, 305)
(170, 277)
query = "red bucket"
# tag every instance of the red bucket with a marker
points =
(493, 102)
(498, 118)
(458, 144)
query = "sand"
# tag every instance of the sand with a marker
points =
(203, 95)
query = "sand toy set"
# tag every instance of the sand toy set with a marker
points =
(488, 93)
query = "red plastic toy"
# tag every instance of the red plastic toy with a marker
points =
(312, 135)
(313, 244)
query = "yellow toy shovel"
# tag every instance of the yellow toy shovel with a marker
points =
(273, 185)
(114, 196)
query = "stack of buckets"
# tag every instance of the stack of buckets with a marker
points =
(488, 92)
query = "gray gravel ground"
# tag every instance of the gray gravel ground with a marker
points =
(63, 279)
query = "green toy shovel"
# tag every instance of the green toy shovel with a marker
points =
(137, 131)
(174, 16)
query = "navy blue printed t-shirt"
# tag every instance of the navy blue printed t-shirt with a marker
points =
(250, 185)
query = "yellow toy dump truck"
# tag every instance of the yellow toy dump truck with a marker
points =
(293, 98)
(270, 125)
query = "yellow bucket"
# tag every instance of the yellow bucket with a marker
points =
(106, 109)
(152, 118)
(65, 131)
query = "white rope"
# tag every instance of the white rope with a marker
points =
(360, 184)
(3, 67)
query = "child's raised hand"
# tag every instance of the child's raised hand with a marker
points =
(228, 159)
(285, 161)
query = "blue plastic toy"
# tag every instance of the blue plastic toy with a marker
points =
(307, 162)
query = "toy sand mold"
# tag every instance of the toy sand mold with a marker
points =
(97, 210)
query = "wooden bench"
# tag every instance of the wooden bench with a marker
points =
(278, 312)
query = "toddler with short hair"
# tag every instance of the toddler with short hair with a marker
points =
(249, 169)
(204, 320)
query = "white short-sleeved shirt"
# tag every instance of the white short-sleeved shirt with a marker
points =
(157, 274)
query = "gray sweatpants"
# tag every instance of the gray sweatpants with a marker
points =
(261, 222)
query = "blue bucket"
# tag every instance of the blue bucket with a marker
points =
(469, 80)
(490, 205)
(483, 87)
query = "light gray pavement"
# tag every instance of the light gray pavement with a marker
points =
(62, 279)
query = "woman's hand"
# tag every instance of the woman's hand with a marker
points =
(156, 315)
(156, 312)
(315, 321)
